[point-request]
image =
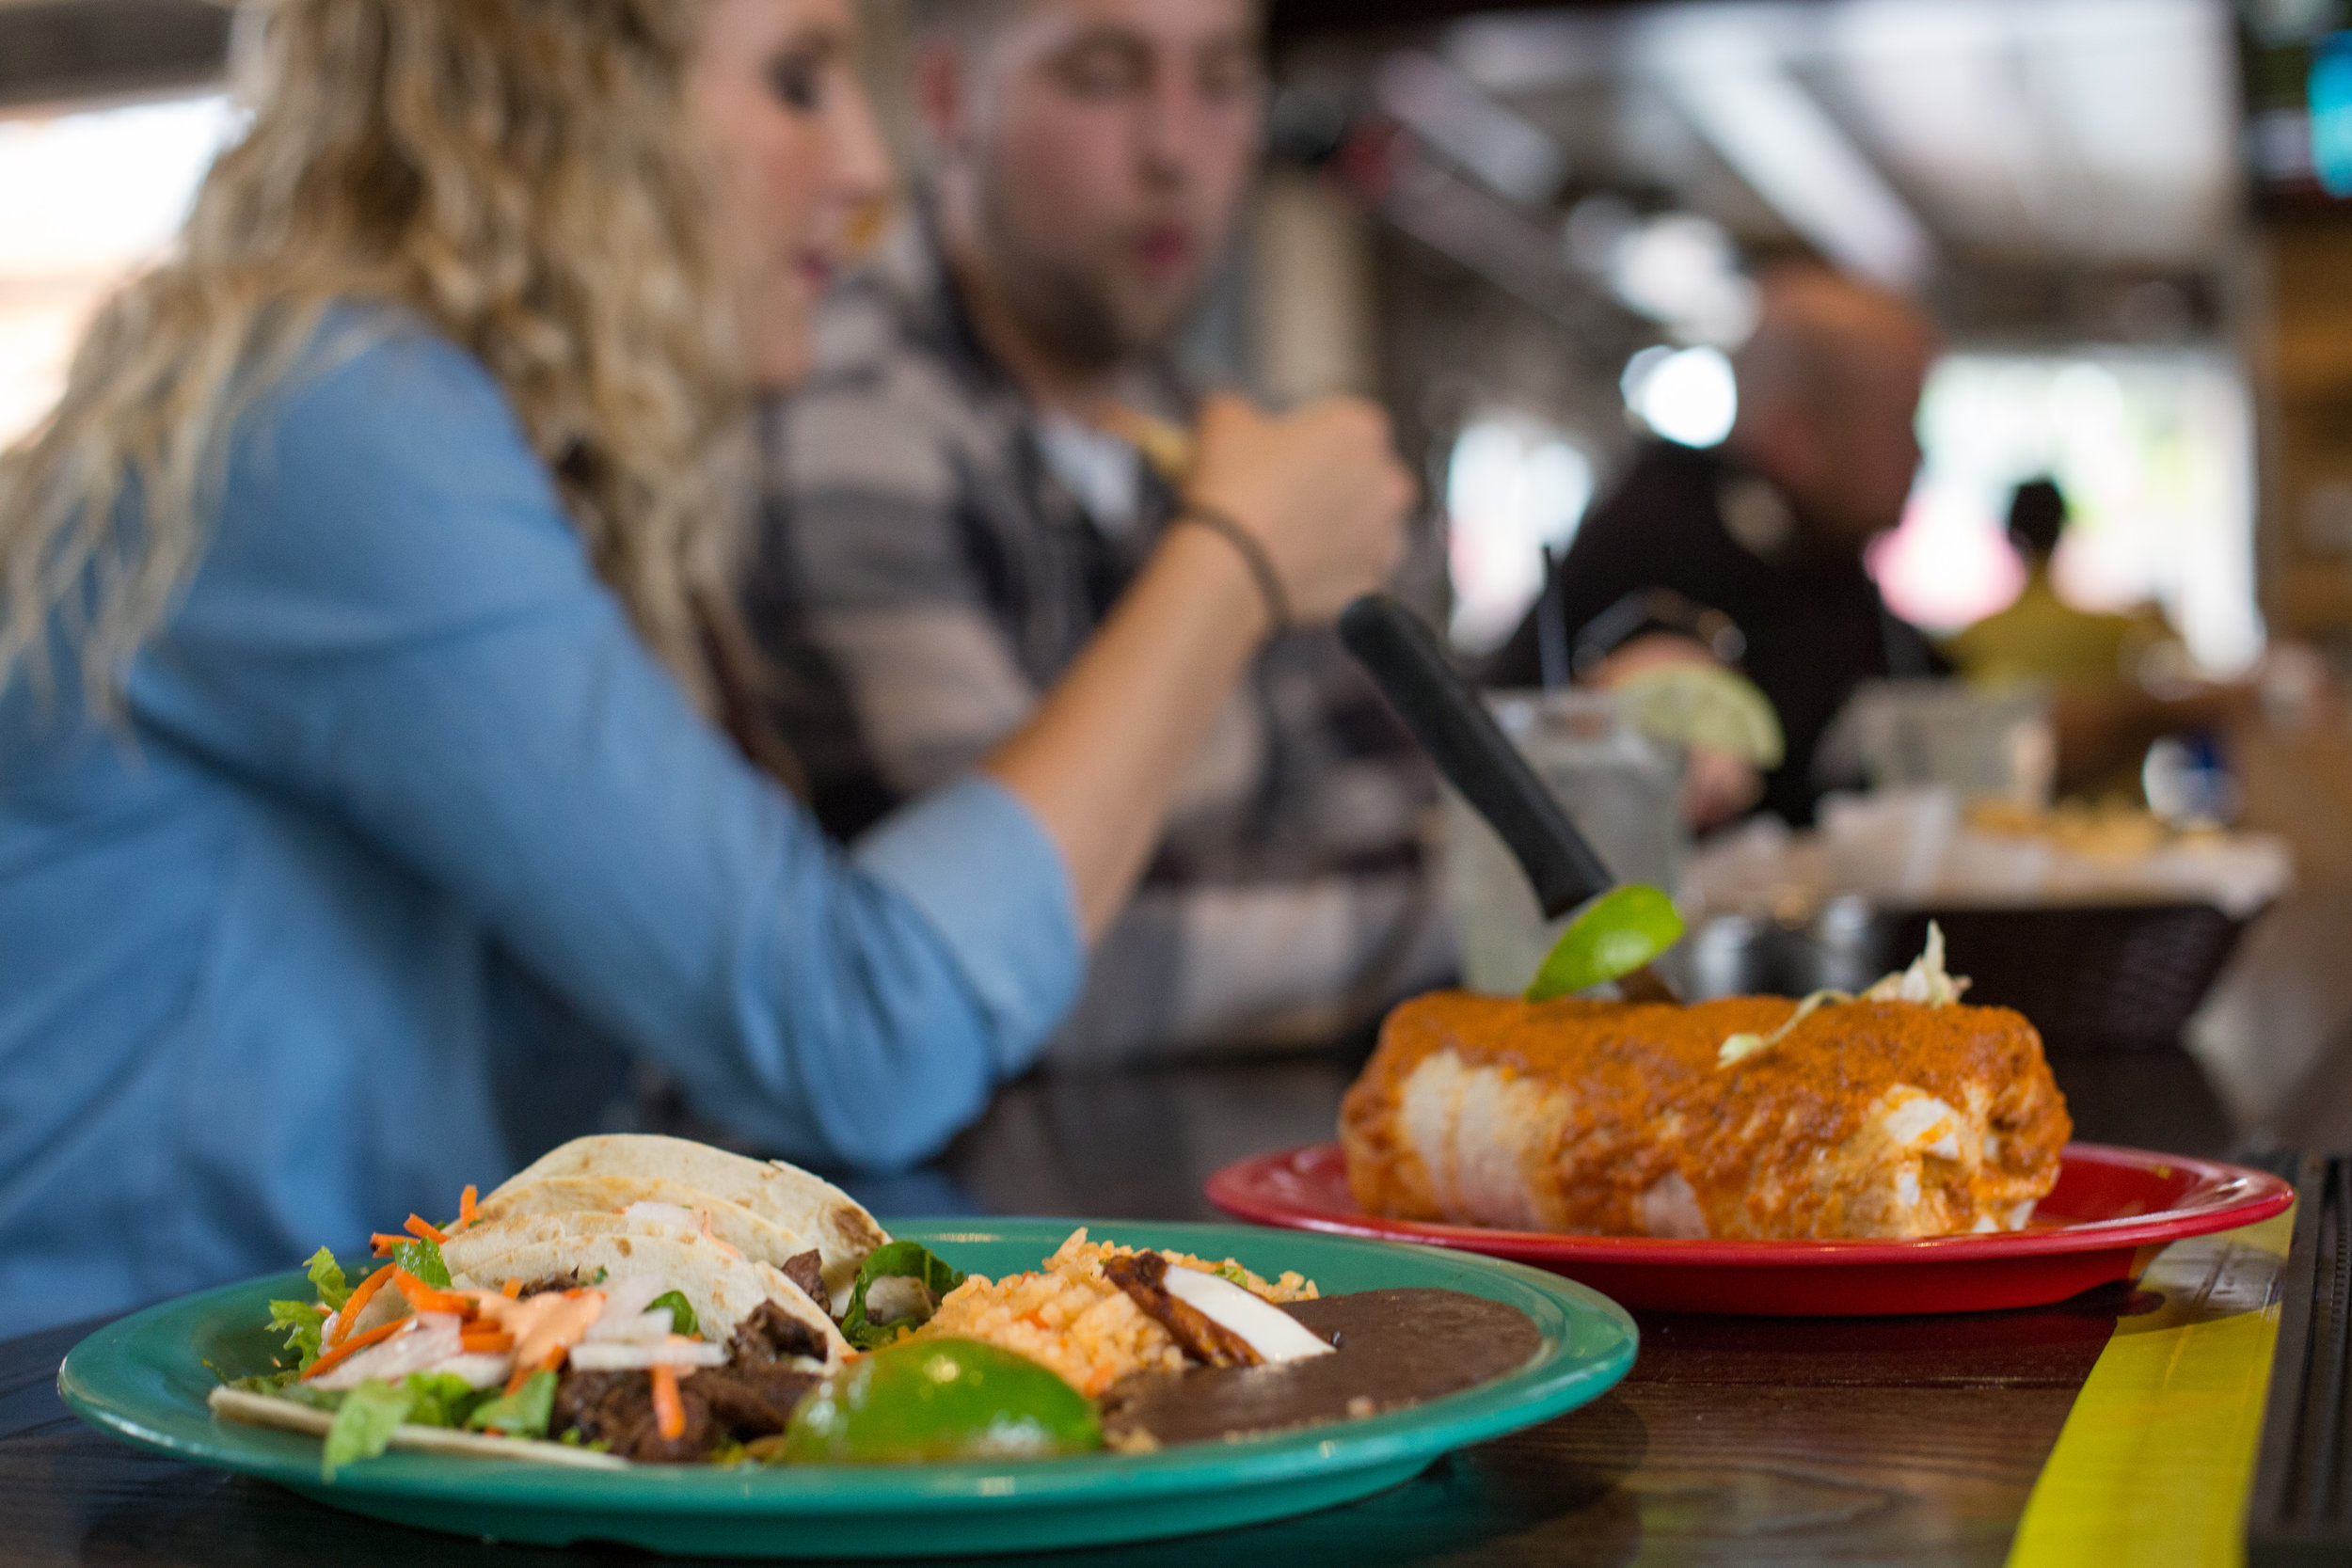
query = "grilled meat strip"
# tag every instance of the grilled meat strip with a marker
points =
(1144, 1276)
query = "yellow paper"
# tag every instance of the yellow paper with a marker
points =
(2156, 1459)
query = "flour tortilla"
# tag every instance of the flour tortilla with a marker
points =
(833, 1220)
(235, 1404)
(582, 1205)
(722, 1289)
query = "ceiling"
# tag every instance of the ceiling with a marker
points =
(2033, 165)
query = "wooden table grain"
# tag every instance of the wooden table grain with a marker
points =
(1734, 1441)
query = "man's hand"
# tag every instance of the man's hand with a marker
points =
(1321, 489)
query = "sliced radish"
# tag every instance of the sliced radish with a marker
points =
(430, 1337)
(610, 1356)
(1273, 1333)
(480, 1369)
(643, 1328)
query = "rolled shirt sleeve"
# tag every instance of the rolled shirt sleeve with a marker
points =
(397, 627)
(965, 857)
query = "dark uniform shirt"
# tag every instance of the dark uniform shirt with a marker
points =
(1698, 523)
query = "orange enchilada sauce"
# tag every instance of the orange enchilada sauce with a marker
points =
(1643, 1095)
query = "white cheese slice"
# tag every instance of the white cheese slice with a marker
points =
(1273, 1333)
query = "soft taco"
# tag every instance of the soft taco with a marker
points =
(593, 1205)
(726, 1290)
(806, 1206)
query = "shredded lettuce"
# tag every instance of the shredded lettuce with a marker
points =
(523, 1413)
(682, 1320)
(443, 1399)
(328, 1276)
(1926, 981)
(364, 1423)
(905, 1259)
(304, 1325)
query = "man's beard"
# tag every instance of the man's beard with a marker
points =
(1070, 313)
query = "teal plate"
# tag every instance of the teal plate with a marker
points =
(144, 1379)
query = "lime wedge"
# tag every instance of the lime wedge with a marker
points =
(1616, 934)
(1704, 706)
(940, 1400)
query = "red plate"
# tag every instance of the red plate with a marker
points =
(2112, 1210)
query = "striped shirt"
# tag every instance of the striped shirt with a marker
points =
(935, 551)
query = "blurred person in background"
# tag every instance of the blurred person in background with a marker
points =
(365, 651)
(2104, 716)
(1751, 552)
(957, 499)
(2039, 636)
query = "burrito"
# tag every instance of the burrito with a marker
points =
(1748, 1116)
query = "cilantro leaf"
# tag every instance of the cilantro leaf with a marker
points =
(364, 1424)
(422, 1257)
(681, 1311)
(328, 1276)
(523, 1413)
(904, 1259)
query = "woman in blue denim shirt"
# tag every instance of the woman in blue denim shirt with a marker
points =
(367, 659)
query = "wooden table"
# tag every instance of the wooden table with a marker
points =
(1747, 1441)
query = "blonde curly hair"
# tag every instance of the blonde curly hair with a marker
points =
(521, 174)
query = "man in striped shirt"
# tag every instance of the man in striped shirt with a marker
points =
(949, 519)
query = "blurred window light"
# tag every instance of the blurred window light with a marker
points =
(1726, 75)
(91, 196)
(1680, 270)
(1515, 489)
(1452, 113)
(2154, 451)
(1949, 565)
(1685, 396)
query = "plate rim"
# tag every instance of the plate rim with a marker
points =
(2226, 1197)
(1538, 1392)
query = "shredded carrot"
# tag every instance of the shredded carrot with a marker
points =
(383, 1244)
(359, 1298)
(424, 1298)
(425, 1231)
(669, 1412)
(512, 1289)
(357, 1342)
(490, 1340)
(522, 1375)
(466, 1201)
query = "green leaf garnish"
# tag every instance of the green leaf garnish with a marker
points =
(523, 1413)
(328, 1276)
(1614, 935)
(682, 1319)
(900, 1259)
(422, 1257)
(363, 1425)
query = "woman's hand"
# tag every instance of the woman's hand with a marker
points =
(1320, 489)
